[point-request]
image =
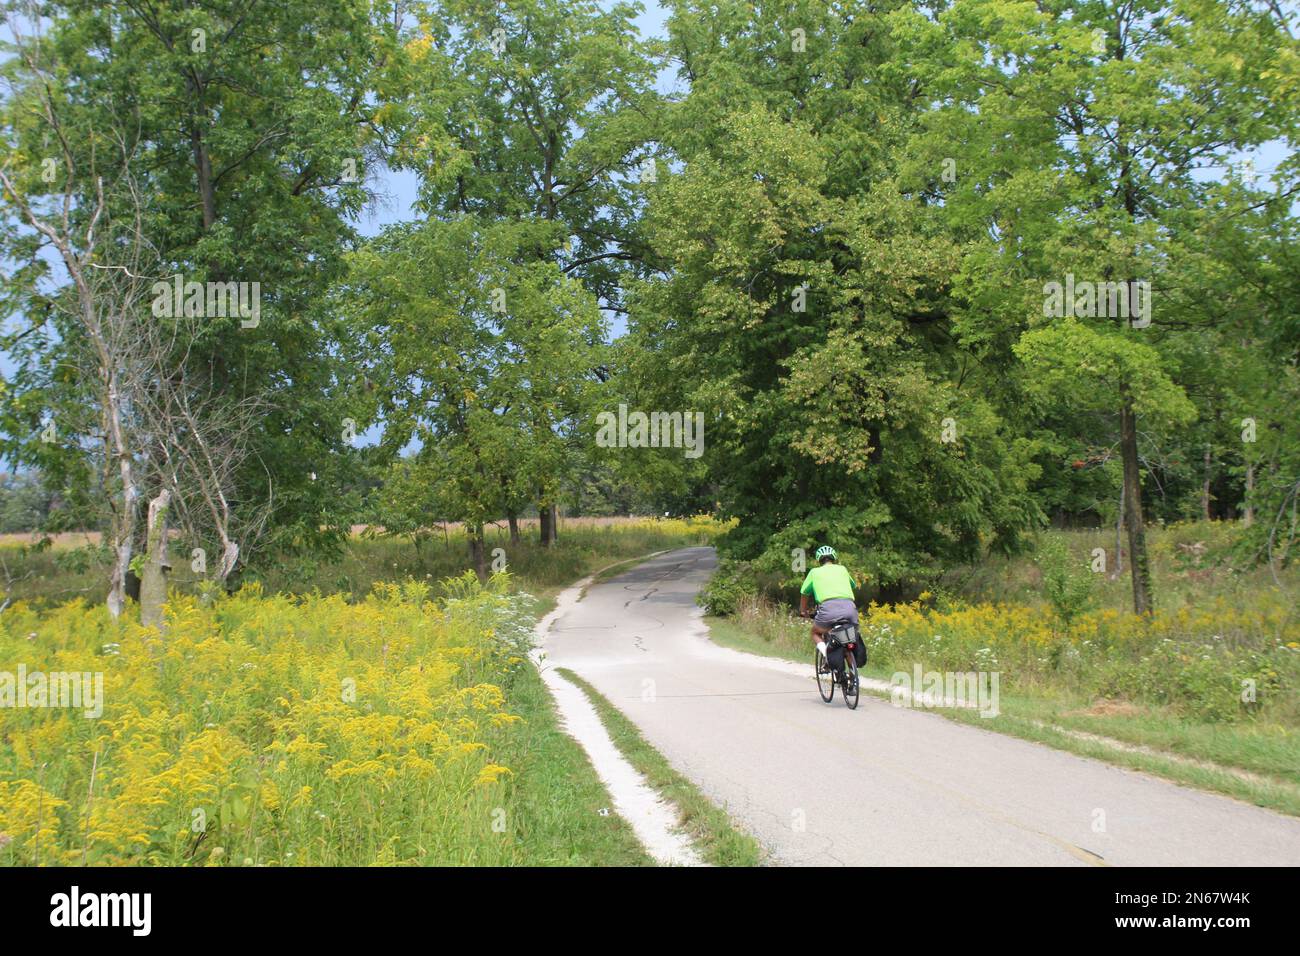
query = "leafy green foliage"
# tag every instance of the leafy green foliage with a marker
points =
(833, 238)
(1067, 583)
(729, 586)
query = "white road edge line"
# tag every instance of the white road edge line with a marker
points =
(652, 819)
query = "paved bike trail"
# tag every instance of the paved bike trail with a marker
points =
(882, 785)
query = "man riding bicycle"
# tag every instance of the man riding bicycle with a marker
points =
(831, 588)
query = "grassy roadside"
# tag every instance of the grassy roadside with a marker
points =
(553, 814)
(719, 841)
(1247, 763)
(299, 732)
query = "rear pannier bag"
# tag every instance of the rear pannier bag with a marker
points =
(859, 649)
(849, 634)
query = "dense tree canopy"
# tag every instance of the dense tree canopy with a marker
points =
(933, 274)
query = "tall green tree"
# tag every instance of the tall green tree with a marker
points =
(1088, 135)
(806, 301)
(250, 130)
(541, 111)
(480, 355)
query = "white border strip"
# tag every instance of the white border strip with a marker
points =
(653, 821)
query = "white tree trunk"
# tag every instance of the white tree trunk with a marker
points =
(153, 582)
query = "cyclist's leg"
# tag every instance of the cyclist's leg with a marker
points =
(819, 629)
(818, 632)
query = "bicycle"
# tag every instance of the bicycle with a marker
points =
(843, 634)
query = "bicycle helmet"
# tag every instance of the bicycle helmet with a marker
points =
(826, 551)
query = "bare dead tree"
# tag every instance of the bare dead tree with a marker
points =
(102, 300)
(162, 425)
(202, 439)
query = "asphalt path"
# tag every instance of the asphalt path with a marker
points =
(819, 784)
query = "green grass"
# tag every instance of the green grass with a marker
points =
(52, 575)
(1192, 564)
(718, 839)
(766, 642)
(555, 802)
(1234, 754)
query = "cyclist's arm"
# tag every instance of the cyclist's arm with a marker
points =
(803, 594)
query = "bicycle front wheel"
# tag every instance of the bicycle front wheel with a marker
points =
(825, 679)
(850, 688)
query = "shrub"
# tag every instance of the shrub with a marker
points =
(1067, 582)
(729, 586)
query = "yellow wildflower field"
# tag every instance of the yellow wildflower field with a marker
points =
(263, 730)
(1213, 662)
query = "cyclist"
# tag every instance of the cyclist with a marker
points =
(831, 588)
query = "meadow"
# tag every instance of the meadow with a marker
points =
(51, 569)
(374, 724)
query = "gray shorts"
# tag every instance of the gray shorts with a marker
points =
(836, 609)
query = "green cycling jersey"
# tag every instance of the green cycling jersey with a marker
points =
(827, 582)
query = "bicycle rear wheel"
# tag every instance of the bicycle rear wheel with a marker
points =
(850, 688)
(825, 679)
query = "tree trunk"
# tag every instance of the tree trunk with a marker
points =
(118, 571)
(478, 552)
(1119, 535)
(1137, 541)
(1248, 516)
(153, 583)
(229, 558)
(203, 176)
(546, 533)
(513, 519)
(1205, 485)
(139, 543)
(124, 521)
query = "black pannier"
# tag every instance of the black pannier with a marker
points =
(848, 634)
